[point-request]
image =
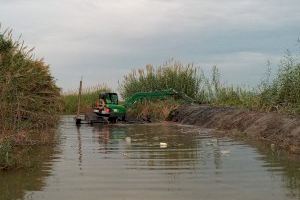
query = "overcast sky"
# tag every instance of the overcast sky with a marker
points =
(102, 40)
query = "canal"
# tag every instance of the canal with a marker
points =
(152, 161)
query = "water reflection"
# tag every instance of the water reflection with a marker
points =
(129, 162)
(278, 163)
(79, 147)
(141, 144)
(15, 184)
(193, 151)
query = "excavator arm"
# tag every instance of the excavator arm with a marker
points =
(155, 95)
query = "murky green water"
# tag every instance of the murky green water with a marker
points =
(128, 162)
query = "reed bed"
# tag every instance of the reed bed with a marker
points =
(29, 98)
(281, 94)
(220, 94)
(278, 94)
(88, 98)
(183, 78)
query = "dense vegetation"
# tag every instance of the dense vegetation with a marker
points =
(88, 98)
(279, 93)
(186, 79)
(29, 98)
(282, 93)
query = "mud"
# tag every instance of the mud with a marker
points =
(281, 131)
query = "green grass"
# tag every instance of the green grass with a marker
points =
(225, 95)
(88, 98)
(278, 94)
(283, 92)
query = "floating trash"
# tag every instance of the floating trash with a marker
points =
(163, 145)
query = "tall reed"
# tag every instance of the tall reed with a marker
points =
(175, 75)
(29, 97)
(283, 92)
(30, 101)
(228, 95)
(280, 94)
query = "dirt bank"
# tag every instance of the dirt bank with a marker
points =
(281, 130)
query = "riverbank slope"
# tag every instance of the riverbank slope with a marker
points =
(282, 131)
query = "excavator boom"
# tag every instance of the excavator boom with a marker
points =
(162, 94)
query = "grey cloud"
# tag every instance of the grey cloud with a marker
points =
(103, 39)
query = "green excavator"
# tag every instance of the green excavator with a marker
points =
(107, 107)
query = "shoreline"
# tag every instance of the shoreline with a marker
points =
(280, 131)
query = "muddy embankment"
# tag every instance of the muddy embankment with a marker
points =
(281, 131)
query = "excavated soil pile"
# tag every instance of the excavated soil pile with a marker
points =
(280, 130)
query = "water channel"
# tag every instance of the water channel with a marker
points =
(152, 161)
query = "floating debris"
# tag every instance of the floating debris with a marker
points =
(163, 145)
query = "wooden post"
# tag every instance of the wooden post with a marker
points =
(78, 120)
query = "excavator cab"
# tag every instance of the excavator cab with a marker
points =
(108, 106)
(109, 98)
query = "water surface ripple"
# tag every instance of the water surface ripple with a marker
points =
(129, 162)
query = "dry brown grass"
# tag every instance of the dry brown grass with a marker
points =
(155, 110)
(30, 101)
